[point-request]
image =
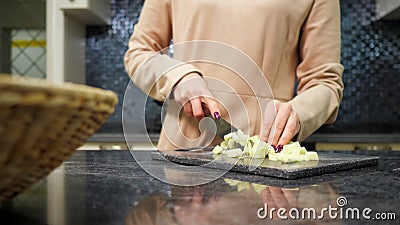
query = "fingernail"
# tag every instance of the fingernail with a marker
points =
(279, 148)
(216, 115)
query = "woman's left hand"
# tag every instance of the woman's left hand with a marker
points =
(281, 123)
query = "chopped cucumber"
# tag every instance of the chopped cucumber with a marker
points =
(243, 186)
(231, 144)
(217, 150)
(254, 148)
(227, 137)
(273, 157)
(254, 138)
(311, 156)
(293, 152)
(231, 182)
(224, 144)
(271, 150)
(242, 138)
(233, 153)
(258, 187)
(259, 150)
(247, 148)
(303, 151)
(292, 148)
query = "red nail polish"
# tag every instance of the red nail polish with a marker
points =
(279, 148)
(216, 115)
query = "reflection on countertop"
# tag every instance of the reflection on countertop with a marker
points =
(109, 187)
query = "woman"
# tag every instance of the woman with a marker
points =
(286, 39)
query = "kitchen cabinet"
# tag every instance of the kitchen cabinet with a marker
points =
(388, 9)
(90, 12)
(66, 22)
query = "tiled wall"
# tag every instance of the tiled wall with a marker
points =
(371, 57)
(28, 52)
(370, 54)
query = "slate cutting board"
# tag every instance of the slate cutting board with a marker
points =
(329, 162)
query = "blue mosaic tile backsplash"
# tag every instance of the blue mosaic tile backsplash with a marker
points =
(370, 55)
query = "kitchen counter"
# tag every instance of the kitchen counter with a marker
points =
(109, 187)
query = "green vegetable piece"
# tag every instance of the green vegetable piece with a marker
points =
(258, 187)
(273, 157)
(247, 160)
(227, 137)
(309, 156)
(217, 149)
(271, 150)
(296, 151)
(254, 138)
(242, 138)
(247, 147)
(259, 153)
(259, 150)
(292, 152)
(235, 136)
(233, 153)
(243, 186)
(231, 144)
(284, 158)
(299, 158)
(231, 182)
(224, 145)
(293, 148)
(303, 151)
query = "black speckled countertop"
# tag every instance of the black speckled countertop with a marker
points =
(109, 187)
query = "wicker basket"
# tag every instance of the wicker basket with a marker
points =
(42, 124)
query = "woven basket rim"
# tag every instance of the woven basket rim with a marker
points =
(42, 124)
(25, 84)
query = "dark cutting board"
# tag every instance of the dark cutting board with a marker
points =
(328, 162)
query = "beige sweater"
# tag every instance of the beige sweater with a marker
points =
(286, 39)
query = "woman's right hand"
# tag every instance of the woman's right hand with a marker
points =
(192, 93)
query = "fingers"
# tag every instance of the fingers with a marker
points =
(192, 93)
(267, 197)
(291, 129)
(187, 108)
(269, 113)
(197, 199)
(291, 196)
(279, 197)
(281, 123)
(197, 108)
(213, 107)
(282, 115)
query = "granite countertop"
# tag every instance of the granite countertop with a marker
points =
(109, 187)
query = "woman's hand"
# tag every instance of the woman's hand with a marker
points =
(280, 198)
(280, 127)
(192, 93)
